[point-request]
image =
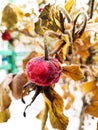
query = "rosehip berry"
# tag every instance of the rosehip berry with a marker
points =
(40, 10)
(43, 72)
(6, 35)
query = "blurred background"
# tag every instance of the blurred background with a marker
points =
(11, 56)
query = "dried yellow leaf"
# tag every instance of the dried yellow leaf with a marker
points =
(64, 87)
(57, 118)
(69, 5)
(5, 99)
(95, 46)
(61, 56)
(65, 90)
(92, 109)
(82, 44)
(27, 14)
(64, 51)
(95, 94)
(10, 16)
(28, 27)
(19, 12)
(41, 2)
(40, 115)
(38, 27)
(73, 71)
(88, 86)
(47, 12)
(95, 91)
(71, 99)
(95, 98)
(4, 115)
(43, 115)
(50, 18)
(96, 19)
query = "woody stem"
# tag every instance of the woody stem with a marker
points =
(46, 50)
(91, 8)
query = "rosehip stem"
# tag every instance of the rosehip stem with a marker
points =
(37, 92)
(46, 50)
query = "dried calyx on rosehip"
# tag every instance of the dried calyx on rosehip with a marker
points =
(6, 35)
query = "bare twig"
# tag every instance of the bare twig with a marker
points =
(79, 32)
(51, 33)
(26, 33)
(82, 116)
(62, 22)
(97, 126)
(91, 8)
(66, 14)
(57, 49)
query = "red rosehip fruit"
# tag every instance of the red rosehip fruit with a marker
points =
(40, 10)
(43, 72)
(6, 35)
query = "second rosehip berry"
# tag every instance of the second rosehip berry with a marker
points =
(6, 35)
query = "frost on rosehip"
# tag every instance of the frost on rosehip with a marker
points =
(43, 72)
